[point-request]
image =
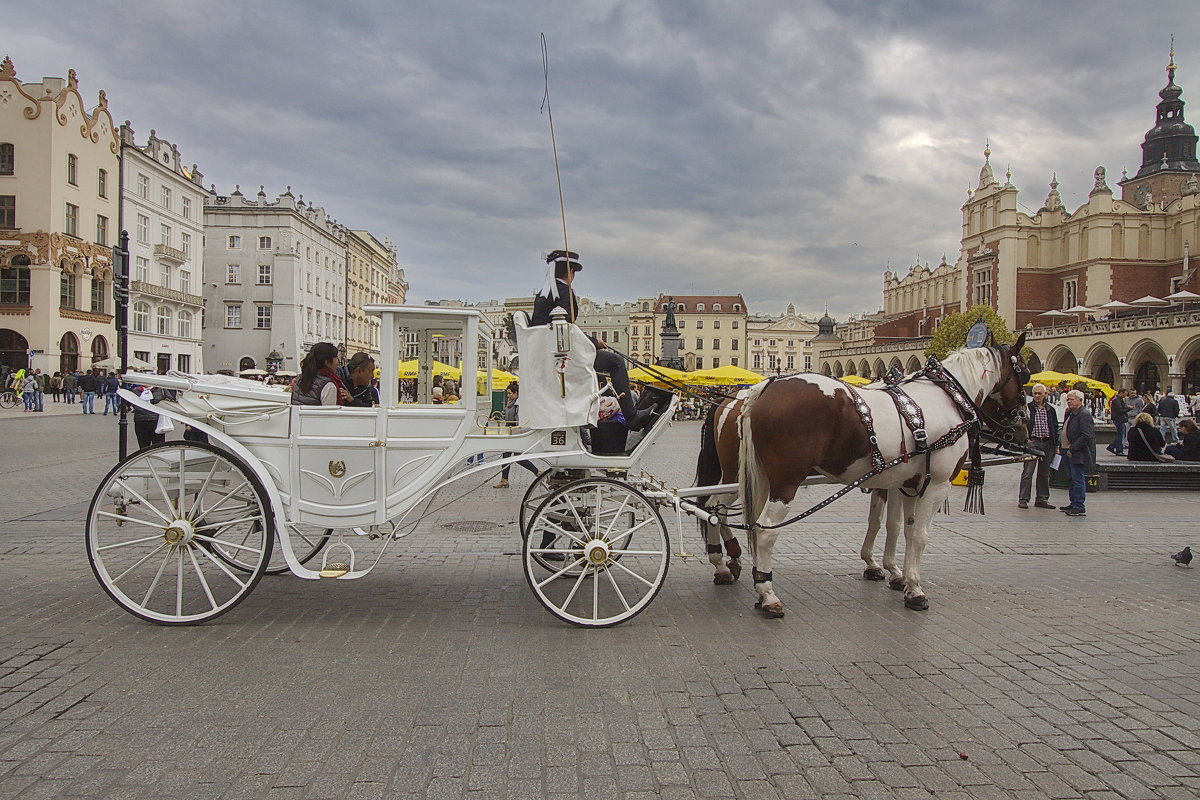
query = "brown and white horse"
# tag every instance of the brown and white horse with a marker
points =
(777, 433)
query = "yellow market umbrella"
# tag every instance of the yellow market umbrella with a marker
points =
(1072, 378)
(1049, 377)
(656, 375)
(724, 376)
(855, 380)
(408, 369)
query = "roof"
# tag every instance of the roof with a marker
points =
(690, 301)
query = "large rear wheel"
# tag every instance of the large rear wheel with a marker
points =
(158, 517)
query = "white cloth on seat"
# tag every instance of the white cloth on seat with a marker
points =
(542, 403)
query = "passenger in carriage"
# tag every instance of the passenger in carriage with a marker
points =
(319, 384)
(360, 371)
(558, 293)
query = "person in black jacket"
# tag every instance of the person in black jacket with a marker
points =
(1043, 434)
(1168, 414)
(560, 294)
(1078, 441)
(1144, 439)
(88, 384)
(144, 422)
(1119, 413)
(360, 371)
(1189, 448)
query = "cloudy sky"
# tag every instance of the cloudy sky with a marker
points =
(784, 150)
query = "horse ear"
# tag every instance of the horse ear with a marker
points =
(1016, 348)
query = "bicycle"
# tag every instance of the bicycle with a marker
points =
(9, 399)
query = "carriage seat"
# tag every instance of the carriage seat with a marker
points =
(542, 403)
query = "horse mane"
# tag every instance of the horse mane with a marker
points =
(972, 365)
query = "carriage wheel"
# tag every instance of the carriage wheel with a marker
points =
(155, 521)
(600, 577)
(541, 488)
(307, 542)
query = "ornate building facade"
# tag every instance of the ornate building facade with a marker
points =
(162, 205)
(59, 200)
(370, 267)
(779, 345)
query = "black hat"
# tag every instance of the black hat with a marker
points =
(561, 258)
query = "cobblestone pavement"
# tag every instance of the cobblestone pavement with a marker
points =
(1059, 660)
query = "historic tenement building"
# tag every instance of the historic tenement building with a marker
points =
(713, 328)
(58, 221)
(781, 344)
(274, 281)
(162, 206)
(1109, 249)
(370, 267)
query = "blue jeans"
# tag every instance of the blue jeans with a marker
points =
(28, 398)
(1166, 426)
(1078, 489)
(37, 400)
(1118, 442)
(89, 401)
(110, 399)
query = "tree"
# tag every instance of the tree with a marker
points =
(951, 334)
(510, 330)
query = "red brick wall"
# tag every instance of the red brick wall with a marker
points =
(909, 325)
(1131, 281)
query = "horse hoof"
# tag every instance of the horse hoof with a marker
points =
(873, 574)
(896, 585)
(918, 603)
(723, 578)
(735, 568)
(772, 610)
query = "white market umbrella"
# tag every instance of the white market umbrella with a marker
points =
(113, 362)
(1080, 309)
(253, 372)
(1116, 305)
(1183, 295)
(285, 373)
(1150, 300)
(1054, 312)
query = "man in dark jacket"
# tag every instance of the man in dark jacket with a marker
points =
(1043, 433)
(111, 385)
(560, 294)
(1078, 450)
(1119, 413)
(1168, 416)
(88, 384)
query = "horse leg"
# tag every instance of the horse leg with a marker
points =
(874, 519)
(763, 550)
(895, 522)
(923, 510)
(723, 574)
(733, 549)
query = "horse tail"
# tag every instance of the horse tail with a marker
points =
(751, 480)
(708, 463)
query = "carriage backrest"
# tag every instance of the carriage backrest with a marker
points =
(542, 402)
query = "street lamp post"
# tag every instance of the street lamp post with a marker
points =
(121, 312)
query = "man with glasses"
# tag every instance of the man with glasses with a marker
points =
(1043, 435)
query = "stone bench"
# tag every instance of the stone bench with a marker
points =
(1119, 473)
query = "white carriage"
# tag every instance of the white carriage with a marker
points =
(180, 532)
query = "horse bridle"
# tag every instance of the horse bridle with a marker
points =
(1004, 427)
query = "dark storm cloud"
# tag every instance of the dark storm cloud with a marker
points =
(784, 150)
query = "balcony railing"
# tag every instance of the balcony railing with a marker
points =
(166, 294)
(1164, 319)
(166, 253)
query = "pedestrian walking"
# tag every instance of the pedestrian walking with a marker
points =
(1118, 412)
(512, 415)
(88, 384)
(1168, 416)
(1078, 451)
(1043, 433)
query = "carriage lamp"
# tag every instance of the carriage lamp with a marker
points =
(562, 331)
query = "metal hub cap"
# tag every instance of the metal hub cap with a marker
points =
(179, 532)
(597, 552)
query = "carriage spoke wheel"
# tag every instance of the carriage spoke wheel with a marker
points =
(307, 541)
(607, 550)
(542, 487)
(159, 518)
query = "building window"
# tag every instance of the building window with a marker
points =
(185, 281)
(143, 184)
(164, 235)
(66, 290)
(234, 243)
(186, 205)
(735, 324)
(737, 306)
(101, 229)
(71, 223)
(8, 159)
(233, 315)
(183, 362)
(1070, 293)
(164, 199)
(141, 318)
(98, 295)
(143, 229)
(758, 360)
(14, 281)
(699, 306)
(264, 274)
(264, 243)
(8, 211)
(983, 287)
(758, 342)
(263, 319)
(185, 244)
(808, 363)
(616, 337)
(699, 324)
(681, 324)
(716, 324)
(716, 344)
(771, 343)
(102, 183)
(645, 330)
(185, 324)
(308, 328)
(143, 355)
(164, 321)
(734, 361)
(699, 362)
(141, 269)
(166, 276)
(72, 169)
(716, 363)
(699, 343)
(716, 306)
(233, 273)
(791, 363)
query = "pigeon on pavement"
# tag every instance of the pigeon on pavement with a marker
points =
(1183, 558)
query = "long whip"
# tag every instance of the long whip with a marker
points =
(562, 208)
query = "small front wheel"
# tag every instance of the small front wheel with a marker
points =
(608, 553)
(8, 399)
(157, 520)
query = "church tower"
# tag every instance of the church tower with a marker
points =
(1168, 151)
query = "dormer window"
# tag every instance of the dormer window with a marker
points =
(737, 306)
(699, 306)
(716, 306)
(682, 307)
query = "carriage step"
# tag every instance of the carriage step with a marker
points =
(335, 569)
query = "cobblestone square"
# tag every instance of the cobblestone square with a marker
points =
(1058, 659)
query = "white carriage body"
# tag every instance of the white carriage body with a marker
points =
(343, 467)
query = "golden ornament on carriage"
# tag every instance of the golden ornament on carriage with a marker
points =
(337, 468)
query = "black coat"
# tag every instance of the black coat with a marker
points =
(1191, 447)
(1051, 418)
(543, 305)
(1143, 449)
(1168, 406)
(88, 382)
(1081, 437)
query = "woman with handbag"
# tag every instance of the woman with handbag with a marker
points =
(146, 423)
(1145, 442)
